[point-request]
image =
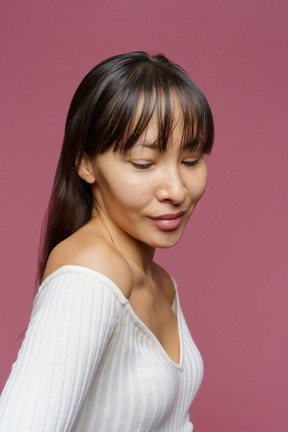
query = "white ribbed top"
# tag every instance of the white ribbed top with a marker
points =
(88, 363)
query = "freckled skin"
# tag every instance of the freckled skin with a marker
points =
(128, 195)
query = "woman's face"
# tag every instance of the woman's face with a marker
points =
(147, 194)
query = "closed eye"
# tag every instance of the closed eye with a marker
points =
(141, 166)
(190, 163)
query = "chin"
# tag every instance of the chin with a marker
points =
(167, 246)
(167, 243)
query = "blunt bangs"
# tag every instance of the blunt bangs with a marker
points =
(193, 112)
(137, 87)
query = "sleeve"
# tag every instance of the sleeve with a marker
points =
(72, 321)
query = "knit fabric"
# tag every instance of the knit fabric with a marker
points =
(88, 363)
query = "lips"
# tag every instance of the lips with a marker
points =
(169, 221)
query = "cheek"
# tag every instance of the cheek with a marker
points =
(126, 191)
(199, 184)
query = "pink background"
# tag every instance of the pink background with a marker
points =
(231, 267)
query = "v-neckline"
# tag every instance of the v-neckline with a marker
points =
(148, 333)
(126, 303)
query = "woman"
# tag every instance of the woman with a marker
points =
(107, 347)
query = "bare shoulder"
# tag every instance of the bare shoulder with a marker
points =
(165, 280)
(95, 254)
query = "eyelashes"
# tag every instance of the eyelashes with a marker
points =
(145, 166)
(190, 163)
(141, 166)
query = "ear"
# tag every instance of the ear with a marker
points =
(85, 170)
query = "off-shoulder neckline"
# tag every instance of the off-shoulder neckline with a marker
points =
(78, 269)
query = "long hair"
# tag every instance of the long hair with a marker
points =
(104, 113)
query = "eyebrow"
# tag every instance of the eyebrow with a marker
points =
(194, 144)
(153, 145)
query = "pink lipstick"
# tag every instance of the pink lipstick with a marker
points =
(169, 221)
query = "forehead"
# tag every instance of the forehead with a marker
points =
(165, 113)
(150, 136)
(158, 103)
(159, 114)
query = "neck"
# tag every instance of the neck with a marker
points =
(134, 250)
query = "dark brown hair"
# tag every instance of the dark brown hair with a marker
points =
(102, 115)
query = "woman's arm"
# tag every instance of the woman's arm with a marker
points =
(72, 321)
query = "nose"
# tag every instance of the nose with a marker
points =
(171, 187)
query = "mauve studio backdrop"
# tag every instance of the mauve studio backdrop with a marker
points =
(231, 265)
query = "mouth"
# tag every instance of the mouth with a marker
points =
(169, 221)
